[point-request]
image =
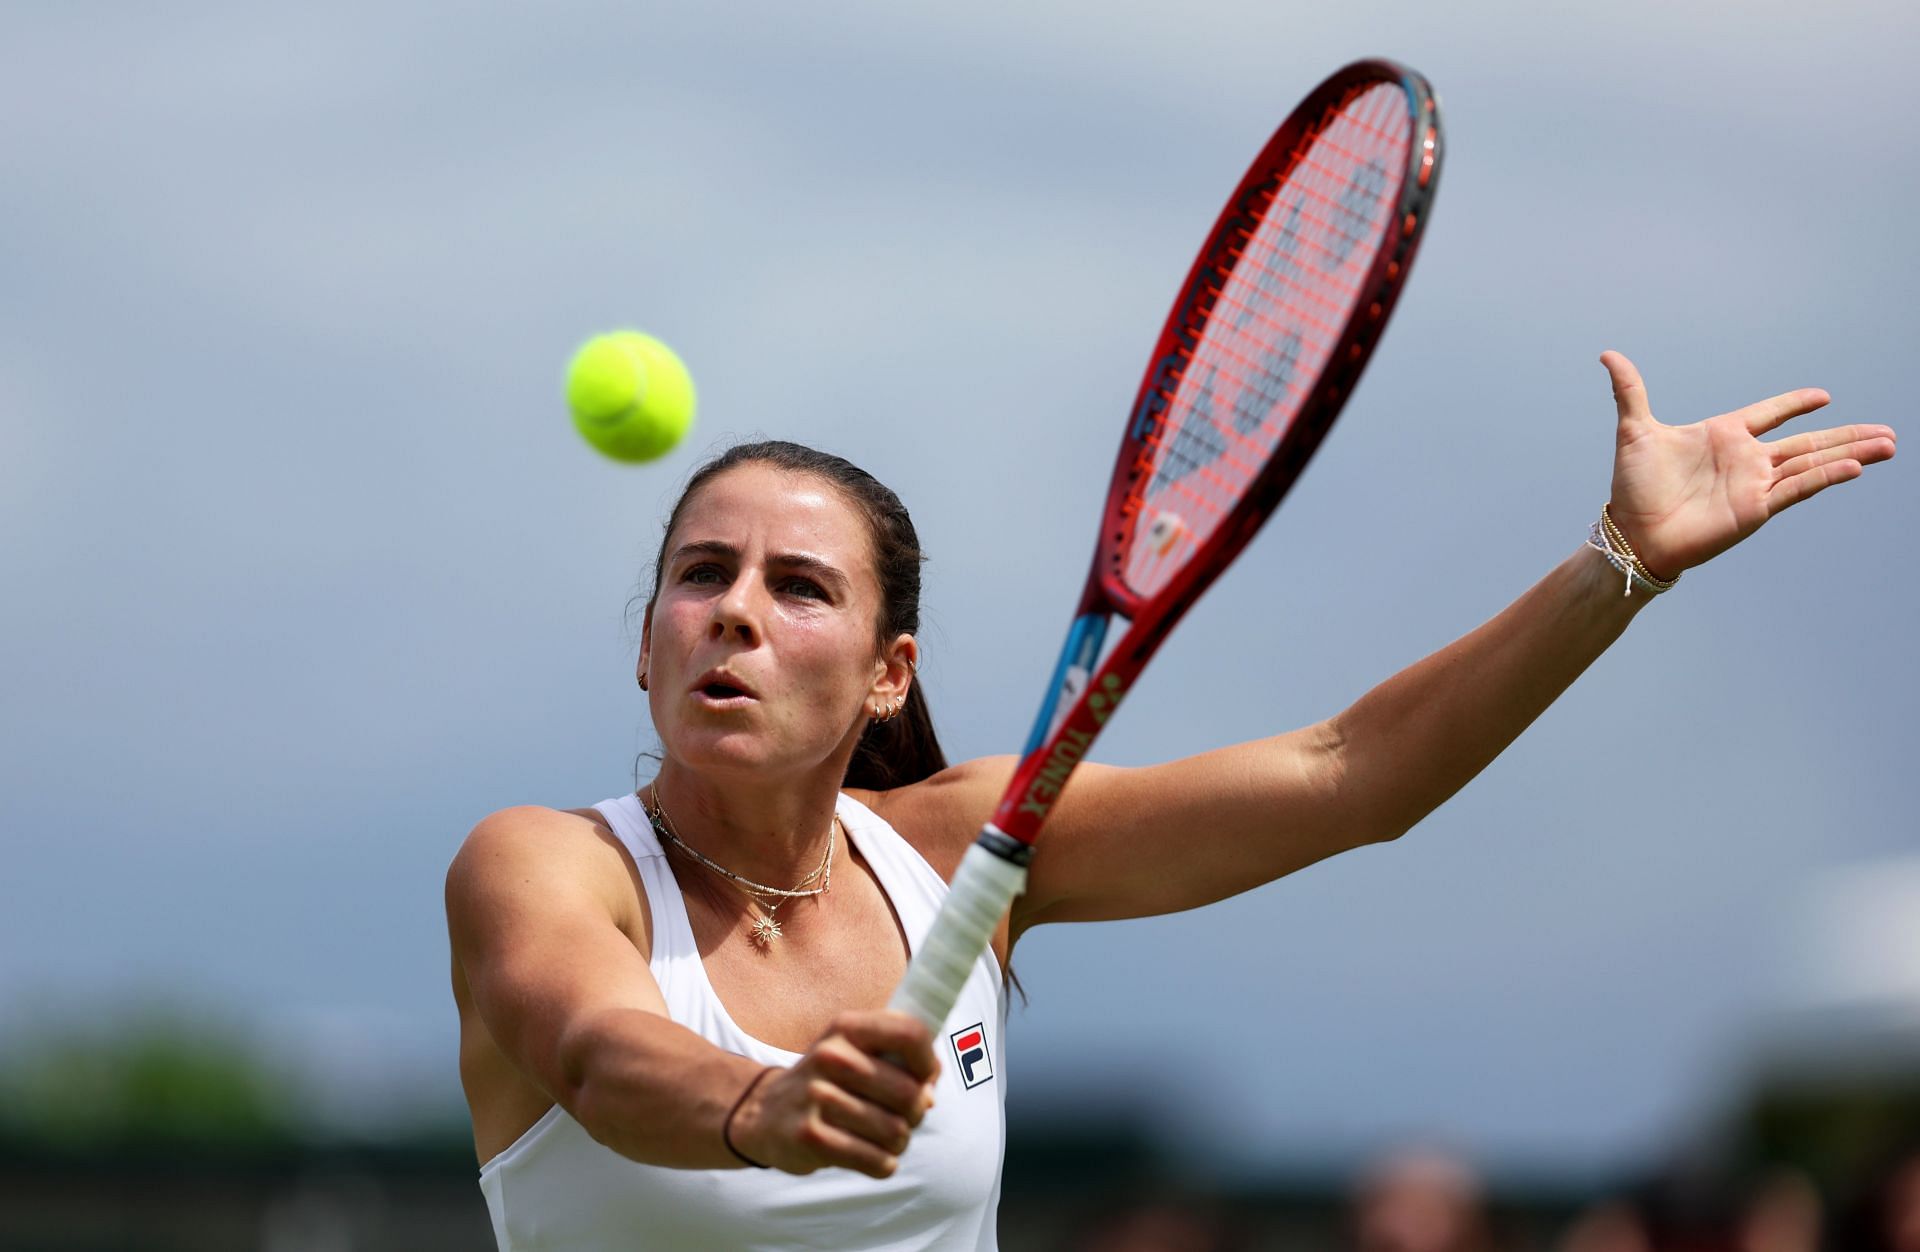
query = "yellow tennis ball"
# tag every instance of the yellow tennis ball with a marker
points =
(631, 397)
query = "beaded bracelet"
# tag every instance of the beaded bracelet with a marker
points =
(1606, 538)
(1620, 538)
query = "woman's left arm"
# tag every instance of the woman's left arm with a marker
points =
(1137, 842)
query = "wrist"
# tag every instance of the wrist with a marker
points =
(1656, 563)
(732, 1124)
(1598, 591)
(1607, 538)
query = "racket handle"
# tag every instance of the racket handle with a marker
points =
(991, 874)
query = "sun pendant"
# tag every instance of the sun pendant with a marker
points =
(765, 931)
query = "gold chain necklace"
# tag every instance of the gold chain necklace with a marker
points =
(765, 929)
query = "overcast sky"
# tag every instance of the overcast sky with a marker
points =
(305, 570)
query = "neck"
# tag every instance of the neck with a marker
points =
(774, 835)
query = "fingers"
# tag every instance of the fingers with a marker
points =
(873, 1078)
(1629, 393)
(852, 1101)
(882, 1135)
(826, 1142)
(1764, 415)
(803, 1120)
(899, 1038)
(1866, 444)
(1867, 452)
(1790, 491)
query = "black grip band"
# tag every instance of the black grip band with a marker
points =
(1006, 847)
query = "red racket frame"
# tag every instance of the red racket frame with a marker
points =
(993, 871)
(1059, 743)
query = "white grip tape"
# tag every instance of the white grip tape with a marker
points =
(982, 890)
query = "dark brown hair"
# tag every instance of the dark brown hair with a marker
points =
(904, 749)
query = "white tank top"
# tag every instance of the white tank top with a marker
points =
(557, 1188)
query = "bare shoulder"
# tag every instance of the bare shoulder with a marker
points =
(940, 816)
(530, 849)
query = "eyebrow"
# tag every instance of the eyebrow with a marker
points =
(800, 561)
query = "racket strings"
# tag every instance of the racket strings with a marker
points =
(1265, 316)
(1346, 241)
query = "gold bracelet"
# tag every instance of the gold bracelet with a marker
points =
(1619, 537)
(1606, 539)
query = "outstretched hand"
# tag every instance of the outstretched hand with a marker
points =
(1685, 494)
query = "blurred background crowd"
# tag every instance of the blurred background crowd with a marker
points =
(168, 1134)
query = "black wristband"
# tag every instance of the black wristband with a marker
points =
(726, 1127)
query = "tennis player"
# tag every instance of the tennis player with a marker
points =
(670, 1002)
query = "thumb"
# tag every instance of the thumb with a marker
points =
(1629, 393)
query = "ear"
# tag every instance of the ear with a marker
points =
(893, 672)
(646, 644)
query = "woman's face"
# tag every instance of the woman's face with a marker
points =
(760, 651)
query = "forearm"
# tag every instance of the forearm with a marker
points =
(1420, 736)
(652, 1090)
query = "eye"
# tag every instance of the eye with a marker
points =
(804, 587)
(702, 573)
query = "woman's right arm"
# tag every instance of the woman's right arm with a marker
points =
(534, 901)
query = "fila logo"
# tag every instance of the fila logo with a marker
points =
(970, 1053)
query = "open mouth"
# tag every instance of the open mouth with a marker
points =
(718, 689)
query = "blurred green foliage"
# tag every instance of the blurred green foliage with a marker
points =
(149, 1078)
(1838, 1128)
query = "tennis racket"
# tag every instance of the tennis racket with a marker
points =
(1266, 340)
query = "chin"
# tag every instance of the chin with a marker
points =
(721, 750)
(740, 750)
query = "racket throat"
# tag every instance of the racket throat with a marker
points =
(1078, 657)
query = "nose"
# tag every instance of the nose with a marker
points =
(736, 615)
